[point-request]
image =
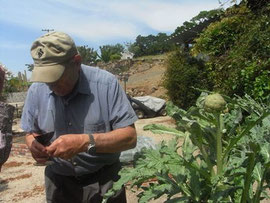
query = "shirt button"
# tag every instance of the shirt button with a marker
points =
(70, 124)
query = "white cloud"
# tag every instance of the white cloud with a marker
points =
(161, 16)
(102, 19)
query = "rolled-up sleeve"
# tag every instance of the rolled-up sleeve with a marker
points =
(121, 111)
(29, 112)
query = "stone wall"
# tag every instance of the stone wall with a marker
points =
(16, 97)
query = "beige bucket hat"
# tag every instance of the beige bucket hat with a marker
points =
(50, 53)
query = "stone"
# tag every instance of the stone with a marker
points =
(6, 118)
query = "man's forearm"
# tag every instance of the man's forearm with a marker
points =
(66, 146)
(116, 141)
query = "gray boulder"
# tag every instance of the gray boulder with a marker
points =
(6, 117)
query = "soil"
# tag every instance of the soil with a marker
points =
(146, 79)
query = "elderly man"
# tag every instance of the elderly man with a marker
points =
(84, 115)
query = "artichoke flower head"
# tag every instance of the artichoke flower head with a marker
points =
(214, 103)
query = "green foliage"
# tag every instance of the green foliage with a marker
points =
(108, 51)
(203, 15)
(225, 156)
(256, 4)
(150, 45)
(89, 55)
(182, 73)
(115, 57)
(30, 67)
(14, 84)
(238, 48)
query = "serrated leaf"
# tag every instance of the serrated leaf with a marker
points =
(265, 151)
(177, 200)
(155, 191)
(195, 185)
(257, 172)
(161, 129)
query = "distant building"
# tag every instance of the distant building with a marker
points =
(126, 55)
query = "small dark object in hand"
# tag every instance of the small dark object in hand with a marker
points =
(44, 138)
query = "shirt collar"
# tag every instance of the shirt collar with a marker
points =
(83, 84)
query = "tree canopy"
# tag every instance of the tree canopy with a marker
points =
(89, 55)
(150, 45)
(111, 52)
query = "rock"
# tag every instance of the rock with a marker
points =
(6, 117)
(154, 89)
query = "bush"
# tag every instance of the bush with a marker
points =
(184, 72)
(238, 50)
(115, 57)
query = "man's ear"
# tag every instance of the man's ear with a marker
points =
(78, 59)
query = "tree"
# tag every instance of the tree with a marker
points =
(238, 50)
(257, 4)
(203, 15)
(150, 45)
(108, 52)
(30, 67)
(89, 55)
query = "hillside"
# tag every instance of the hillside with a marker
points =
(144, 75)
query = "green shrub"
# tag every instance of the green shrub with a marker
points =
(115, 57)
(184, 72)
(238, 48)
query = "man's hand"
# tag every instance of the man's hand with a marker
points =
(67, 146)
(38, 150)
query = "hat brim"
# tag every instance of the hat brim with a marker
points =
(47, 74)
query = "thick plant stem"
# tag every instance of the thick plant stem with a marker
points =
(220, 126)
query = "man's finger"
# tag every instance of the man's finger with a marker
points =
(38, 147)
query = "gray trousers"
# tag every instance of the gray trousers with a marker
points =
(84, 189)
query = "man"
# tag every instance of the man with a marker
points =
(87, 114)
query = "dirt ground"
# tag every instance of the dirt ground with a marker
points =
(146, 79)
(22, 181)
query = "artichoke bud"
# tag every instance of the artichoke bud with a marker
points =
(214, 103)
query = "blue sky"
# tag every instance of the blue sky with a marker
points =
(88, 22)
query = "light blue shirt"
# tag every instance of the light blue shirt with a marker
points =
(97, 104)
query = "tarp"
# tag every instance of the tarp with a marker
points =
(142, 142)
(151, 102)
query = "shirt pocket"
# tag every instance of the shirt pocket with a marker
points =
(95, 128)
